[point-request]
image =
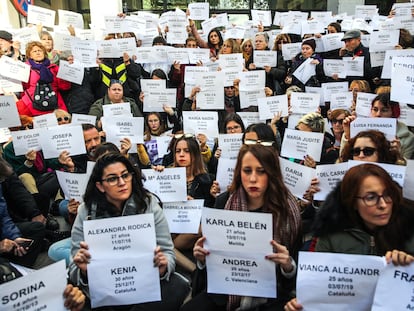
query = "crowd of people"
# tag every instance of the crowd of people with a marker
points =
(364, 214)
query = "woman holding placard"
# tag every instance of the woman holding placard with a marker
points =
(365, 215)
(115, 189)
(257, 187)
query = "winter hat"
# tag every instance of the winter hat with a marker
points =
(311, 43)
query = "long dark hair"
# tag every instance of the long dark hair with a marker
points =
(390, 236)
(385, 154)
(93, 195)
(197, 164)
(277, 196)
(210, 45)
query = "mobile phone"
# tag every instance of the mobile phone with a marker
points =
(26, 244)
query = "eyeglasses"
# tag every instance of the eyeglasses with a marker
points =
(254, 142)
(178, 136)
(339, 121)
(233, 128)
(372, 199)
(113, 180)
(367, 151)
(60, 119)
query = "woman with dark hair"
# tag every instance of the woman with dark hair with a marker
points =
(44, 72)
(261, 133)
(214, 40)
(383, 107)
(115, 189)
(371, 146)
(365, 215)
(257, 187)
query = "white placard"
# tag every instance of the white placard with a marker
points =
(383, 40)
(332, 41)
(78, 118)
(271, 105)
(363, 104)
(331, 88)
(298, 144)
(394, 290)
(169, 185)
(388, 126)
(229, 144)
(408, 188)
(62, 42)
(69, 18)
(199, 11)
(305, 71)
(334, 66)
(122, 260)
(38, 290)
(402, 79)
(205, 122)
(197, 56)
(232, 237)
(262, 17)
(25, 35)
(117, 109)
(60, 138)
(178, 55)
(249, 117)
(252, 80)
(8, 85)
(71, 72)
(73, 185)
(211, 99)
(389, 55)
(45, 120)
(233, 61)
(225, 173)
(40, 16)
(9, 116)
(84, 52)
(312, 26)
(117, 128)
(183, 217)
(25, 140)
(264, 58)
(303, 103)
(297, 177)
(250, 98)
(354, 66)
(338, 281)
(290, 50)
(329, 175)
(341, 100)
(14, 69)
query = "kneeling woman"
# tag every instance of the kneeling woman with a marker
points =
(115, 189)
(257, 187)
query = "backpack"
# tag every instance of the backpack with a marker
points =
(7, 271)
(44, 98)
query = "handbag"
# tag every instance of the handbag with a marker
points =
(7, 271)
(44, 98)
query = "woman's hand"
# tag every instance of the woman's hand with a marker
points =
(73, 206)
(347, 126)
(168, 109)
(293, 305)
(399, 258)
(82, 257)
(199, 252)
(281, 256)
(160, 261)
(141, 97)
(309, 161)
(74, 298)
(214, 189)
(158, 168)
(313, 188)
(6, 246)
(217, 154)
(125, 145)
(66, 160)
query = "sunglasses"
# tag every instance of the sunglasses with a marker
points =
(178, 136)
(254, 142)
(60, 119)
(339, 121)
(367, 151)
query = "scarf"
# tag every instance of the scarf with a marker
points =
(45, 75)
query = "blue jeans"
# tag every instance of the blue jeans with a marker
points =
(60, 250)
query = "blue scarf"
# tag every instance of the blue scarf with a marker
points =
(45, 75)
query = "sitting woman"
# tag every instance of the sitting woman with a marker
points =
(114, 95)
(115, 189)
(257, 187)
(365, 215)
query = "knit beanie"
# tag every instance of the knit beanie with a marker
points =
(311, 43)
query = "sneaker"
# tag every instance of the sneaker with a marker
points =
(52, 223)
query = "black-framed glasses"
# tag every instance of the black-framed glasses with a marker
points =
(233, 128)
(372, 199)
(367, 151)
(178, 136)
(60, 119)
(339, 121)
(114, 180)
(265, 143)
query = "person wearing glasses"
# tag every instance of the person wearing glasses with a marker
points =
(257, 187)
(383, 107)
(115, 189)
(365, 215)
(247, 49)
(62, 116)
(337, 117)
